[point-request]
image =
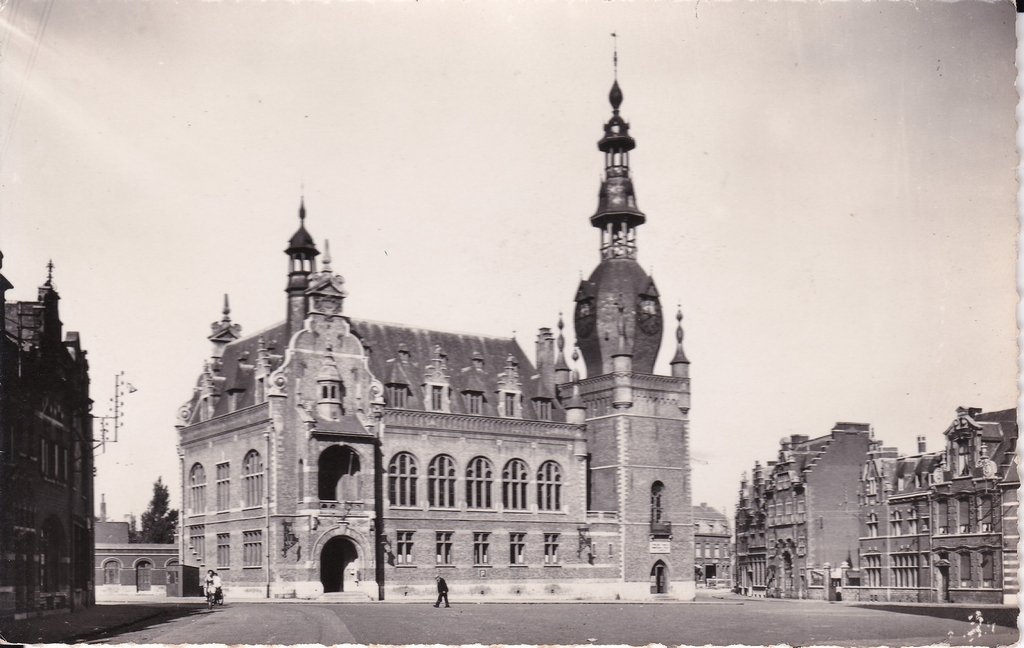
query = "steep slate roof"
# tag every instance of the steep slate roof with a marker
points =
(383, 340)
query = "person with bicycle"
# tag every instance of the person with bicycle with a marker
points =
(213, 587)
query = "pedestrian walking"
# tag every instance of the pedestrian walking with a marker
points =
(442, 592)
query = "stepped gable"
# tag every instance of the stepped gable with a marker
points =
(385, 339)
(235, 371)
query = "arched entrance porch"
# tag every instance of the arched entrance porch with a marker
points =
(339, 565)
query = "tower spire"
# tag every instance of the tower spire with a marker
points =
(617, 214)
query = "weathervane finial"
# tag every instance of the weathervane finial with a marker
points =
(615, 55)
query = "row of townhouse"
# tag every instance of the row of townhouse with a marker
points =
(842, 517)
(942, 526)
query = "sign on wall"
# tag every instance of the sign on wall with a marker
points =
(661, 547)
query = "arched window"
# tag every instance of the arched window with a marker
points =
(197, 488)
(479, 477)
(441, 482)
(515, 480)
(549, 487)
(402, 480)
(252, 479)
(338, 474)
(657, 505)
(111, 572)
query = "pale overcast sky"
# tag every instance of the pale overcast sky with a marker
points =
(829, 189)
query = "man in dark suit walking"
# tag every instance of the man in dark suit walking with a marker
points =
(442, 592)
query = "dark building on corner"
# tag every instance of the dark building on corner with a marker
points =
(46, 499)
(329, 454)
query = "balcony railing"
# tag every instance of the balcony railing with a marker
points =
(661, 529)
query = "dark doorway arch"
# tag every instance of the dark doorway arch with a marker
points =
(659, 578)
(338, 471)
(144, 576)
(338, 565)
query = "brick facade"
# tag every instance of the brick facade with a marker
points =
(340, 456)
(46, 534)
(797, 519)
(942, 526)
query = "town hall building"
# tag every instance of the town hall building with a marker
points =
(330, 455)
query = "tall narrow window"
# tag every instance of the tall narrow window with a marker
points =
(436, 398)
(549, 487)
(479, 477)
(515, 480)
(872, 525)
(252, 548)
(223, 486)
(963, 457)
(550, 548)
(965, 569)
(510, 404)
(964, 510)
(441, 482)
(197, 542)
(986, 514)
(223, 550)
(988, 570)
(657, 512)
(517, 548)
(403, 547)
(402, 480)
(197, 488)
(481, 548)
(252, 479)
(895, 523)
(443, 547)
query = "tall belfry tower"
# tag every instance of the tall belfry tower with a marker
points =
(637, 422)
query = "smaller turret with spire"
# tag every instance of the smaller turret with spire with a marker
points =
(302, 254)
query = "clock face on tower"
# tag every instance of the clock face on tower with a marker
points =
(648, 315)
(585, 317)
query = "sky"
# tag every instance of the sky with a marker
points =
(830, 192)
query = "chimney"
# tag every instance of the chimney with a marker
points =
(103, 507)
(546, 361)
(920, 444)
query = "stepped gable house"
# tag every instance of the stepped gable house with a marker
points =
(796, 520)
(337, 456)
(46, 509)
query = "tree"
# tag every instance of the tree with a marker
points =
(159, 520)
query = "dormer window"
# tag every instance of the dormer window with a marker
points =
(396, 395)
(543, 406)
(510, 404)
(436, 397)
(474, 402)
(963, 457)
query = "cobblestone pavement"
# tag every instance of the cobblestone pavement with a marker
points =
(718, 622)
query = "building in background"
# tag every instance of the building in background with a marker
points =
(712, 550)
(327, 454)
(46, 463)
(796, 521)
(127, 569)
(942, 526)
